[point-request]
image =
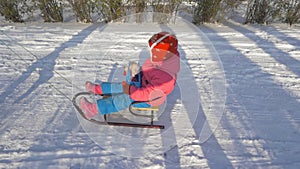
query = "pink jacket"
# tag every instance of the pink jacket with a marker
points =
(158, 81)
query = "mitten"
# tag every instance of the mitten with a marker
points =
(126, 87)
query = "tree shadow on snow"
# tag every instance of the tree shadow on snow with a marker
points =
(216, 158)
(264, 113)
(45, 66)
(60, 127)
(272, 30)
(270, 48)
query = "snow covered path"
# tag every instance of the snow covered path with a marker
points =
(42, 65)
(261, 124)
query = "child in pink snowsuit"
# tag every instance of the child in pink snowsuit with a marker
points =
(157, 80)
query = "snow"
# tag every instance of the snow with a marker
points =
(236, 102)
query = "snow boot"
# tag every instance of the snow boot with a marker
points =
(93, 88)
(89, 109)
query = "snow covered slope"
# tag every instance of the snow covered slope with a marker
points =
(44, 65)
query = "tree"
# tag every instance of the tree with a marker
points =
(165, 6)
(52, 10)
(136, 6)
(83, 9)
(164, 9)
(111, 10)
(262, 11)
(212, 10)
(292, 14)
(13, 10)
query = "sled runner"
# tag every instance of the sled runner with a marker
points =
(132, 109)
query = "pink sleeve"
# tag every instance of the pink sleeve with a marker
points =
(141, 94)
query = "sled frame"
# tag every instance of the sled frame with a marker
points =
(123, 124)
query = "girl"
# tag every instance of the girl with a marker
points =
(157, 79)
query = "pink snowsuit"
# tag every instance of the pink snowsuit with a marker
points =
(158, 80)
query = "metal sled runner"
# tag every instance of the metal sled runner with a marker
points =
(131, 109)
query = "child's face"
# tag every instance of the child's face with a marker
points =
(160, 55)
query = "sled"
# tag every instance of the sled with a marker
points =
(133, 110)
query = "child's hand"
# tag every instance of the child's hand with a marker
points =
(134, 69)
(125, 86)
(125, 70)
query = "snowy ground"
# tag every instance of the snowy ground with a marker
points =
(44, 65)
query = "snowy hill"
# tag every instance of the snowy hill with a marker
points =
(236, 104)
